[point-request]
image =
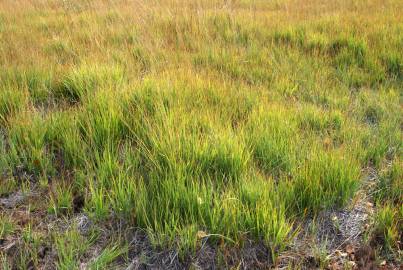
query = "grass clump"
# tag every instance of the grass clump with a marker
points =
(8, 185)
(6, 226)
(108, 256)
(70, 247)
(82, 81)
(61, 201)
(266, 213)
(390, 183)
(388, 222)
(201, 124)
(272, 141)
(389, 216)
(394, 66)
(221, 158)
(11, 103)
(319, 121)
(28, 146)
(324, 181)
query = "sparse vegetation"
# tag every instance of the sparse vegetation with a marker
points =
(220, 123)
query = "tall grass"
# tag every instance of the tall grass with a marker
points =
(209, 121)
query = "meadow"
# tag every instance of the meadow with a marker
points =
(205, 123)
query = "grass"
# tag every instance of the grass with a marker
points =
(6, 226)
(70, 247)
(389, 217)
(210, 122)
(108, 255)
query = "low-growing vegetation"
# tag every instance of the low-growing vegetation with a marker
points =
(219, 123)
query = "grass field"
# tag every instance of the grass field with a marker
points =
(202, 126)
